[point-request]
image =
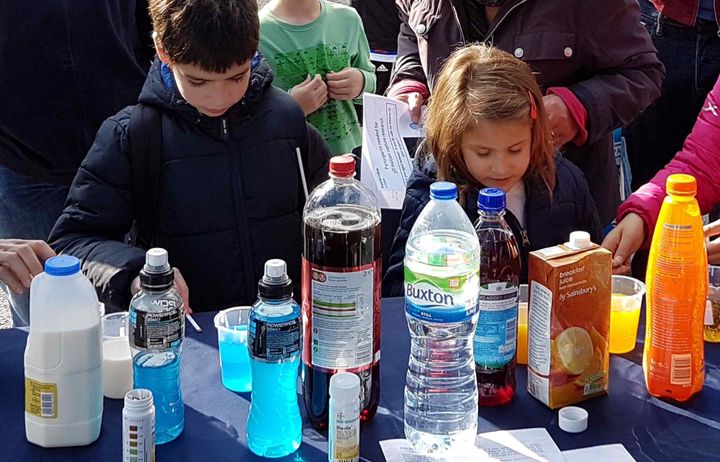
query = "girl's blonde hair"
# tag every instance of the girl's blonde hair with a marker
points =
(483, 83)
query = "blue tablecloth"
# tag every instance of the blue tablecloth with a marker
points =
(652, 430)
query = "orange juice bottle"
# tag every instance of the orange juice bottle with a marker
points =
(677, 285)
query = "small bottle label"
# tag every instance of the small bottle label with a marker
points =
(275, 341)
(41, 399)
(157, 330)
(139, 437)
(344, 435)
(496, 332)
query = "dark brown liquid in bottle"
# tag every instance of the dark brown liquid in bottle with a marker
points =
(341, 237)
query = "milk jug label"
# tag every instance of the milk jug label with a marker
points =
(41, 399)
(496, 332)
(157, 330)
(441, 299)
(342, 317)
(275, 341)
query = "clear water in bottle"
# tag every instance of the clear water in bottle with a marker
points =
(441, 290)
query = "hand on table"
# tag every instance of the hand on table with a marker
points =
(21, 260)
(180, 285)
(346, 84)
(623, 241)
(310, 94)
(562, 125)
(415, 102)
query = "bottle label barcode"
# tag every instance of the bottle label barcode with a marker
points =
(681, 369)
(47, 404)
(511, 331)
(40, 398)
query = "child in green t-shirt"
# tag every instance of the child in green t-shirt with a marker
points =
(319, 53)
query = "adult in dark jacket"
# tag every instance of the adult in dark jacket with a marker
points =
(593, 59)
(230, 194)
(548, 221)
(66, 66)
(685, 33)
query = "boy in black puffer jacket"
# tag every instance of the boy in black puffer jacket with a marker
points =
(229, 186)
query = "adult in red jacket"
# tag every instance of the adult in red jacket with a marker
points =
(594, 60)
(699, 157)
(685, 33)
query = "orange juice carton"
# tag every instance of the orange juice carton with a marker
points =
(569, 321)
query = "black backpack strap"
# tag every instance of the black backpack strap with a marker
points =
(145, 135)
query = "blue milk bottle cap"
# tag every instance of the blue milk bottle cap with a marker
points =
(443, 191)
(491, 200)
(62, 265)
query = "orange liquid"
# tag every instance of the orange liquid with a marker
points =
(522, 341)
(677, 285)
(624, 319)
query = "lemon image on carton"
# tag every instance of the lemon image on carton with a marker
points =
(568, 322)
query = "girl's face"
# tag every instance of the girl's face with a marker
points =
(497, 153)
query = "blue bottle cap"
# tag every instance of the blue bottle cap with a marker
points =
(62, 265)
(443, 191)
(491, 200)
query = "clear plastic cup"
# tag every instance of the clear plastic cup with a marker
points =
(712, 309)
(117, 359)
(627, 294)
(522, 331)
(231, 325)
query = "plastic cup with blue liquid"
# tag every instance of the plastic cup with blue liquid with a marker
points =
(231, 325)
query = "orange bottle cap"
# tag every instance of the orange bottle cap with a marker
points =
(681, 184)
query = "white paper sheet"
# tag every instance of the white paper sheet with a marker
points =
(386, 164)
(608, 452)
(526, 445)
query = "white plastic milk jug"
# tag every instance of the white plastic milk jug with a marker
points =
(63, 358)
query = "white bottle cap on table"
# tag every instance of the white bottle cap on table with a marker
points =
(573, 419)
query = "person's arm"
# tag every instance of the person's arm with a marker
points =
(699, 157)
(99, 213)
(361, 61)
(626, 73)
(407, 68)
(415, 200)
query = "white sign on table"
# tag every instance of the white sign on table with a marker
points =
(385, 163)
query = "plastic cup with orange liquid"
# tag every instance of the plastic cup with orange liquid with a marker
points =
(627, 295)
(522, 340)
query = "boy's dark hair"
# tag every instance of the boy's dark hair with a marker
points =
(212, 34)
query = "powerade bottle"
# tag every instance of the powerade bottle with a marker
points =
(441, 287)
(157, 329)
(341, 279)
(495, 343)
(274, 427)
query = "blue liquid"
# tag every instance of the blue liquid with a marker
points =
(234, 359)
(274, 427)
(160, 373)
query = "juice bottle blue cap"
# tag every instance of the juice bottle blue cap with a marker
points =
(443, 190)
(491, 200)
(62, 265)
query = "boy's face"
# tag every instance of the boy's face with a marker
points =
(212, 93)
